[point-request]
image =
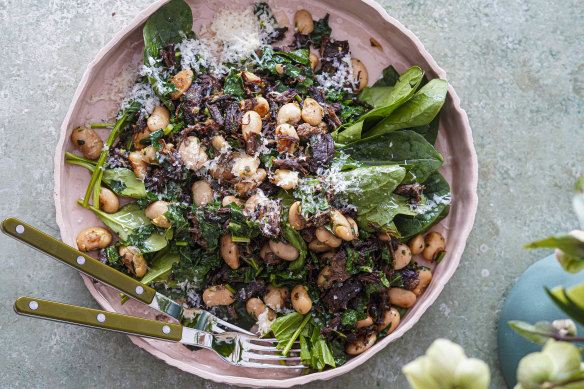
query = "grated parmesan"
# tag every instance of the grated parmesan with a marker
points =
(264, 323)
(341, 79)
(143, 93)
(234, 36)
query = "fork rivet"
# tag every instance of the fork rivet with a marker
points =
(139, 290)
(19, 229)
(101, 317)
(166, 329)
(33, 305)
(81, 260)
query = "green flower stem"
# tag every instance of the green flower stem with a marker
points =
(101, 125)
(88, 166)
(78, 158)
(98, 172)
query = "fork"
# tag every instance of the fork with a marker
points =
(197, 318)
(234, 348)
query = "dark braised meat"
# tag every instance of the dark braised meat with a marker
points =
(412, 191)
(308, 234)
(169, 56)
(292, 163)
(317, 94)
(301, 41)
(334, 324)
(200, 89)
(140, 125)
(378, 304)
(338, 268)
(281, 98)
(219, 277)
(305, 131)
(254, 144)
(410, 278)
(102, 256)
(215, 113)
(339, 295)
(252, 289)
(322, 148)
(331, 118)
(319, 220)
(348, 210)
(332, 53)
(268, 214)
(277, 34)
(118, 158)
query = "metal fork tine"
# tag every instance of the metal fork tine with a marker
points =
(250, 345)
(272, 341)
(232, 327)
(273, 366)
(249, 355)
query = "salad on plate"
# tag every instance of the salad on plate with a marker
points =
(253, 173)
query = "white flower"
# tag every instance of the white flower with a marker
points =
(445, 366)
(557, 363)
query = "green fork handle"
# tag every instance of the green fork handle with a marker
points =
(78, 260)
(51, 310)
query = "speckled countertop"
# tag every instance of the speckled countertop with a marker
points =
(518, 68)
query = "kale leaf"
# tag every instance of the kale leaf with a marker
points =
(321, 28)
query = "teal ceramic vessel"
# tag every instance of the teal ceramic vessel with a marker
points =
(529, 302)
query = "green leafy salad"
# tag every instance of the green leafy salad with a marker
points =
(265, 182)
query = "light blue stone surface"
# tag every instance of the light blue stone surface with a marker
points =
(518, 67)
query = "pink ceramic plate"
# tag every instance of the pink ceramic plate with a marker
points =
(355, 20)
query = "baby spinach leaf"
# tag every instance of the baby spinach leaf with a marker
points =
(389, 77)
(349, 135)
(365, 187)
(375, 95)
(338, 350)
(418, 111)
(124, 182)
(320, 351)
(160, 267)
(385, 99)
(169, 24)
(400, 147)
(397, 95)
(121, 180)
(429, 131)
(287, 329)
(385, 212)
(130, 221)
(437, 194)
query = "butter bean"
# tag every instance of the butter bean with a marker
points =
(361, 345)
(217, 295)
(401, 297)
